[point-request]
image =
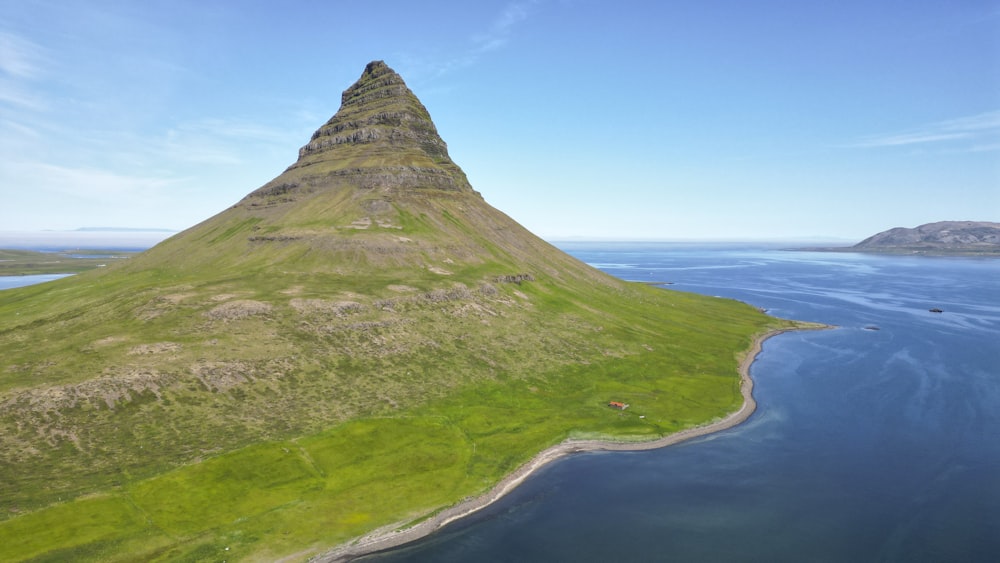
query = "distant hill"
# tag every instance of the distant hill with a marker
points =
(943, 237)
(969, 238)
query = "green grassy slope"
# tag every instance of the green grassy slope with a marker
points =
(311, 455)
(336, 352)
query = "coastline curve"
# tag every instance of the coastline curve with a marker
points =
(392, 536)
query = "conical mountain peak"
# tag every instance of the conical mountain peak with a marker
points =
(377, 82)
(374, 190)
(381, 124)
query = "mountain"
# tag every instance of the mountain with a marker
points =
(357, 343)
(373, 193)
(944, 237)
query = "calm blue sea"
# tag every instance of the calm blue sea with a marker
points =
(867, 445)
(10, 282)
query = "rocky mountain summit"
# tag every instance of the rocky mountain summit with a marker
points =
(373, 187)
(943, 237)
(381, 136)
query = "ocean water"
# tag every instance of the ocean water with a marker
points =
(878, 440)
(10, 282)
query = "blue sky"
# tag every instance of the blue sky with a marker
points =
(589, 119)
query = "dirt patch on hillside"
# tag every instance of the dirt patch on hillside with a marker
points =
(223, 376)
(402, 288)
(240, 309)
(116, 386)
(107, 341)
(154, 308)
(473, 309)
(154, 348)
(326, 307)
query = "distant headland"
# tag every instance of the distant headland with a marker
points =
(944, 238)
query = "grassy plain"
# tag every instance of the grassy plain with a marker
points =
(29, 262)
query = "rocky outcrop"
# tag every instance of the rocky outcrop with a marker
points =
(381, 141)
(514, 278)
(380, 117)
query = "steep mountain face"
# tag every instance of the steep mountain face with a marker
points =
(373, 189)
(940, 237)
(385, 127)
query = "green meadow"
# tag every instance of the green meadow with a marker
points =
(29, 262)
(270, 469)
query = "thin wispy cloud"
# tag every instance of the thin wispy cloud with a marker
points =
(238, 128)
(22, 63)
(85, 183)
(499, 33)
(19, 129)
(495, 37)
(985, 148)
(911, 139)
(111, 170)
(980, 127)
(19, 57)
(223, 141)
(18, 96)
(984, 121)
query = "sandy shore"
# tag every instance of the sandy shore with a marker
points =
(392, 536)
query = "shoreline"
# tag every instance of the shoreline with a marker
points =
(391, 536)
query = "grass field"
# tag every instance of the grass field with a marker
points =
(459, 424)
(282, 397)
(28, 262)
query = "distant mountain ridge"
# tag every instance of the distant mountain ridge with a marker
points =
(965, 237)
(943, 238)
